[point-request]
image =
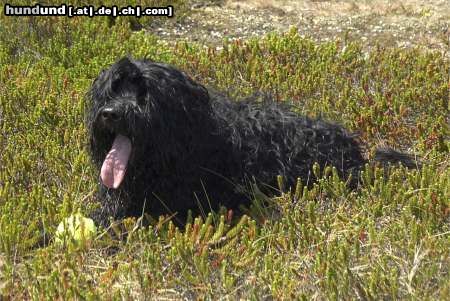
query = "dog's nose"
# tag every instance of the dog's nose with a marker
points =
(110, 114)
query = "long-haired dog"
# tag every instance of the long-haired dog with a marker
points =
(165, 144)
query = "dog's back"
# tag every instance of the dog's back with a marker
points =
(272, 140)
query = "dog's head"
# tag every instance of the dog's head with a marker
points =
(136, 108)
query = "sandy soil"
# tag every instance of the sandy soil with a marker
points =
(406, 23)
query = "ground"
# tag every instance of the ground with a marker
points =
(407, 23)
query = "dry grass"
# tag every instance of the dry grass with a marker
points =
(405, 24)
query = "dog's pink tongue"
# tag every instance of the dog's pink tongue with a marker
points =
(115, 164)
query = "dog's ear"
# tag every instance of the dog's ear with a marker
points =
(125, 68)
(110, 79)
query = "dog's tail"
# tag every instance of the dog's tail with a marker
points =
(386, 156)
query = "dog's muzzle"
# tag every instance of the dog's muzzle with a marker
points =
(114, 166)
(111, 117)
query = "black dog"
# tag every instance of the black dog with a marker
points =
(164, 144)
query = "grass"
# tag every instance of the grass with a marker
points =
(388, 240)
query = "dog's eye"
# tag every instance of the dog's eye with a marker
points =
(141, 101)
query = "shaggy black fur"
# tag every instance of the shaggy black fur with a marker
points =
(192, 149)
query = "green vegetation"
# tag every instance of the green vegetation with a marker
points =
(387, 240)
